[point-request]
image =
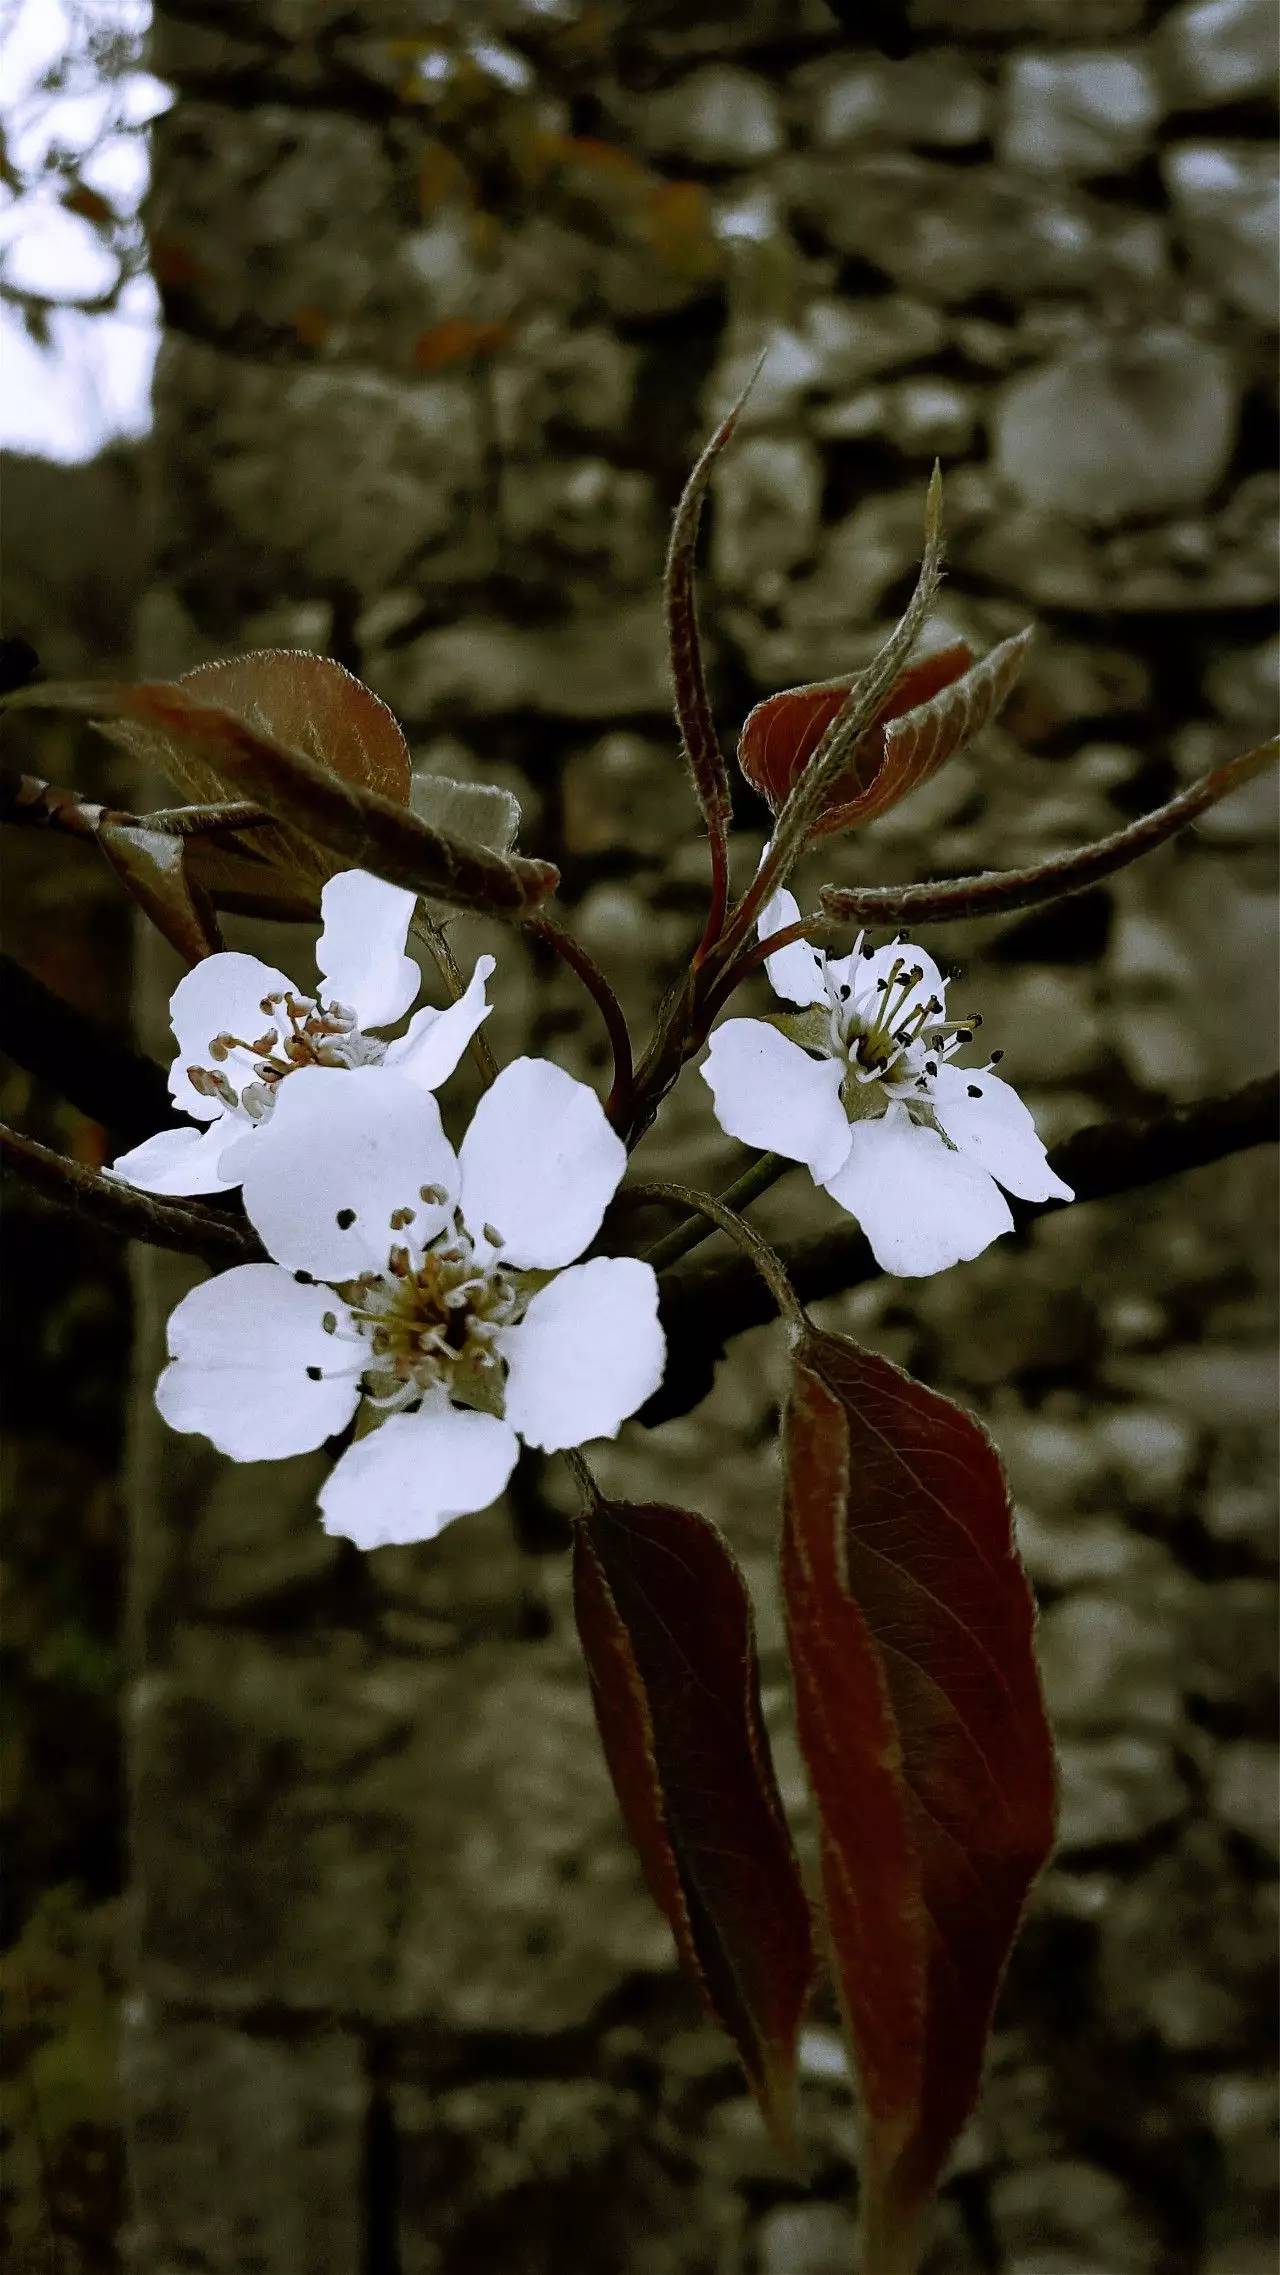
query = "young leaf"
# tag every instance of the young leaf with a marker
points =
(920, 1718)
(933, 709)
(309, 702)
(781, 735)
(332, 821)
(666, 1627)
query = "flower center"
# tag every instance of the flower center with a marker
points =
(435, 1322)
(302, 1033)
(890, 1049)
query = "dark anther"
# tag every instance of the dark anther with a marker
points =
(345, 1219)
(974, 1089)
(314, 1374)
(930, 1066)
(964, 1034)
(305, 1279)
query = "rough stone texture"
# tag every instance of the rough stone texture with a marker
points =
(397, 1986)
(1122, 430)
(1224, 195)
(1077, 114)
(1219, 51)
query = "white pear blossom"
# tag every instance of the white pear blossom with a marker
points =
(435, 1295)
(860, 1084)
(241, 1027)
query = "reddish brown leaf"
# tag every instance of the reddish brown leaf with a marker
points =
(309, 702)
(315, 705)
(920, 1718)
(923, 738)
(666, 1627)
(329, 820)
(934, 708)
(782, 733)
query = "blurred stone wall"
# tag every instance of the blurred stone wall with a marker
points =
(453, 293)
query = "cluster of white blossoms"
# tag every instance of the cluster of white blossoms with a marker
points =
(431, 1302)
(432, 1297)
(860, 1084)
(241, 1027)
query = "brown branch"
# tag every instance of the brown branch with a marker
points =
(79, 1059)
(996, 891)
(120, 1209)
(705, 1304)
(29, 802)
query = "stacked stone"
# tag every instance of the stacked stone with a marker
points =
(437, 360)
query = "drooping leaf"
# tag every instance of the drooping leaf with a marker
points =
(154, 868)
(920, 1718)
(332, 821)
(666, 1627)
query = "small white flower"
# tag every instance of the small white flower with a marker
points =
(242, 1026)
(423, 1286)
(862, 1087)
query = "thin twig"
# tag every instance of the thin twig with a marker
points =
(763, 1173)
(763, 1259)
(593, 979)
(705, 1305)
(994, 892)
(121, 1209)
(27, 801)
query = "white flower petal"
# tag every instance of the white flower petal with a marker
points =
(795, 973)
(540, 1164)
(867, 972)
(252, 1368)
(587, 1353)
(360, 953)
(344, 1149)
(434, 1040)
(221, 995)
(180, 1161)
(771, 1094)
(987, 1120)
(407, 1480)
(921, 1206)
